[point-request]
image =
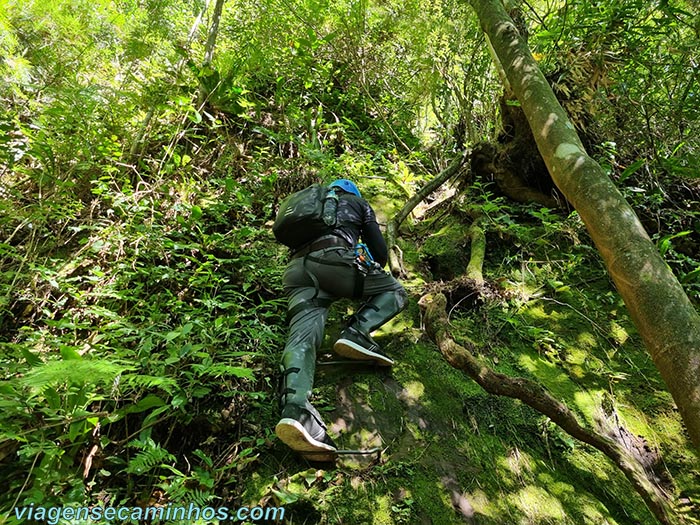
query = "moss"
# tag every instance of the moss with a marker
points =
(618, 333)
(538, 505)
(586, 339)
(432, 499)
(382, 511)
(554, 378)
(414, 391)
(444, 252)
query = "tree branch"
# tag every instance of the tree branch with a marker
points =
(395, 223)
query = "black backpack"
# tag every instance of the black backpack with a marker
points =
(306, 215)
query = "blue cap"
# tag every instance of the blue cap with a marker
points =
(347, 185)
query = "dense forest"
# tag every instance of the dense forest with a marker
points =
(535, 166)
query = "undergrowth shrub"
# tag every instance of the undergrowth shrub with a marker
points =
(135, 343)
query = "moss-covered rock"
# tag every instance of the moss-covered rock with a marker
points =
(444, 253)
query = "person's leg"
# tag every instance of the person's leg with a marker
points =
(385, 297)
(301, 426)
(307, 318)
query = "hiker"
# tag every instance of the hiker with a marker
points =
(327, 268)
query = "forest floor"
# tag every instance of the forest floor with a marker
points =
(142, 338)
(451, 453)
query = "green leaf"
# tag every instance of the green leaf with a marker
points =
(148, 402)
(69, 353)
(664, 243)
(632, 169)
(76, 429)
(195, 116)
(222, 370)
(52, 398)
(691, 276)
(152, 455)
(178, 400)
(79, 372)
(6, 389)
(200, 391)
(153, 416)
(32, 359)
(285, 497)
(185, 349)
(171, 336)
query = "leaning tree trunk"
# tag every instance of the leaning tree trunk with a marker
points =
(537, 397)
(213, 34)
(660, 309)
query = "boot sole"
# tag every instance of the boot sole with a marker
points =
(352, 350)
(295, 436)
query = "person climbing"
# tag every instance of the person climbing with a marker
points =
(330, 267)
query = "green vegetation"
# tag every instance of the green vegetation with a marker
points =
(141, 309)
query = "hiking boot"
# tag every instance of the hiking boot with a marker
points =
(353, 344)
(302, 431)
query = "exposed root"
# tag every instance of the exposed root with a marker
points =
(478, 251)
(537, 397)
(464, 293)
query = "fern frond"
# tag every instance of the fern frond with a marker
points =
(168, 384)
(222, 370)
(73, 372)
(151, 456)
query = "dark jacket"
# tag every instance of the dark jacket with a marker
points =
(356, 220)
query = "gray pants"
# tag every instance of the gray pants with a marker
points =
(312, 283)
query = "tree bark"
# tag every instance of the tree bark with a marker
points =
(213, 32)
(537, 397)
(660, 309)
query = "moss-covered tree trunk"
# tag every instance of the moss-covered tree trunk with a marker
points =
(659, 307)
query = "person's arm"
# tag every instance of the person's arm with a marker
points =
(373, 238)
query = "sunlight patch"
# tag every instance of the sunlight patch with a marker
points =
(382, 512)
(398, 324)
(414, 390)
(536, 311)
(517, 462)
(588, 402)
(567, 493)
(480, 502)
(618, 333)
(538, 505)
(576, 356)
(587, 340)
(535, 366)
(548, 125)
(566, 150)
